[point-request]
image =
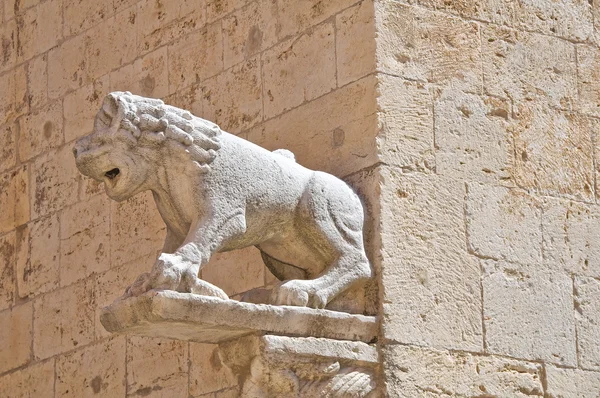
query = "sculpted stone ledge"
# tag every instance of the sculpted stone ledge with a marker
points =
(207, 319)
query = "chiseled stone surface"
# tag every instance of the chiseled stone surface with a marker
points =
(570, 19)
(572, 383)
(422, 372)
(587, 318)
(528, 312)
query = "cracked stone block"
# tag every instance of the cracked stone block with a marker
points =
(587, 318)
(528, 312)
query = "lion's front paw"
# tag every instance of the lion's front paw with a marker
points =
(138, 287)
(300, 293)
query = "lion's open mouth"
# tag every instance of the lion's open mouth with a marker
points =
(112, 174)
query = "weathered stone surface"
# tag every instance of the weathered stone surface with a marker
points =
(571, 232)
(81, 15)
(80, 106)
(572, 383)
(298, 16)
(248, 31)
(64, 319)
(232, 99)
(196, 57)
(298, 70)
(211, 320)
(422, 372)
(355, 42)
(54, 182)
(84, 240)
(405, 117)
(8, 152)
(553, 151)
(7, 270)
(571, 19)
(471, 137)
(15, 336)
(38, 256)
(503, 224)
(9, 49)
(14, 201)
(39, 29)
(13, 91)
(218, 9)
(528, 312)
(587, 304)
(431, 290)
(96, 370)
(247, 266)
(68, 64)
(522, 66)
(157, 366)
(33, 381)
(427, 46)
(37, 81)
(41, 130)
(208, 373)
(588, 73)
(340, 125)
(501, 12)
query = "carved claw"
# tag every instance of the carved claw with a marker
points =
(301, 293)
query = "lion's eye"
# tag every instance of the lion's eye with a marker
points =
(112, 173)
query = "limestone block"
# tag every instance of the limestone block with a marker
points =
(572, 383)
(157, 366)
(355, 42)
(571, 233)
(41, 130)
(84, 240)
(503, 224)
(13, 90)
(136, 229)
(298, 16)
(112, 283)
(55, 182)
(208, 373)
(80, 106)
(40, 29)
(9, 49)
(232, 99)
(406, 124)
(587, 304)
(106, 48)
(195, 57)
(554, 151)
(38, 256)
(33, 381)
(431, 289)
(187, 98)
(422, 372)
(501, 12)
(64, 319)
(98, 369)
(15, 336)
(340, 125)
(147, 76)
(68, 64)
(7, 270)
(206, 319)
(588, 71)
(82, 15)
(8, 151)
(13, 198)
(521, 66)
(37, 81)
(298, 70)
(471, 137)
(248, 31)
(528, 312)
(247, 266)
(571, 19)
(443, 50)
(217, 9)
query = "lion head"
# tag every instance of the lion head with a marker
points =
(133, 134)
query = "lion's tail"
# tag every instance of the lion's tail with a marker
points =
(285, 153)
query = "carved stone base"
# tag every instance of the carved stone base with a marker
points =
(278, 366)
(187, 316)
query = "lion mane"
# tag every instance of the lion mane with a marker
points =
(147, 122)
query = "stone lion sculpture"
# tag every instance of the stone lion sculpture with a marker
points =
(217, 192)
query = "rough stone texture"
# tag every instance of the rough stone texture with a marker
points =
(14, 201)
(34, 381)
(7, 270)
(503, 223)
(572, 383)
(501, 12)
(587, 305)
(8, 152)
(571, 19)
(15, 337)
(208, 373)
(421, 372)
(80, 106)
(528, 312)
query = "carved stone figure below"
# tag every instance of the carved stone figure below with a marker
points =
(217, 192)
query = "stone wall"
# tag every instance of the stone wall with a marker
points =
(283, 73)
(490, 267)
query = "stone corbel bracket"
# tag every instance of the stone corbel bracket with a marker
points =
(278, 366)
